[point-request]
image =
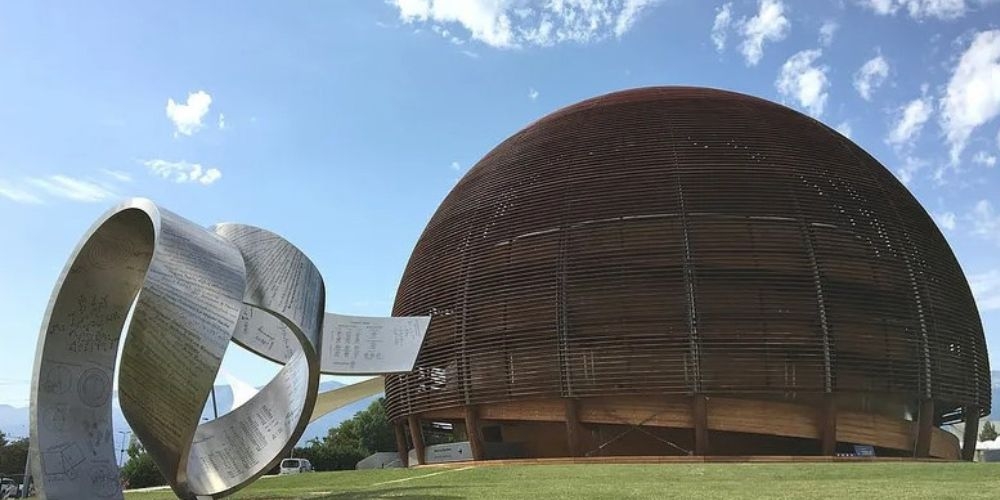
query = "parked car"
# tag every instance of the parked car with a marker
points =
(8, 488)
(295, 466)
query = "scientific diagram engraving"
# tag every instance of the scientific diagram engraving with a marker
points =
(191, 291)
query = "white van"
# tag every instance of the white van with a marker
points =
(295, 466)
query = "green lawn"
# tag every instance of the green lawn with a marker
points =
(703, 481)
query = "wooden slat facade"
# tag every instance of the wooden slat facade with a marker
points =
(691, 242)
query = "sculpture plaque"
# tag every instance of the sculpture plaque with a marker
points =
(181, 293)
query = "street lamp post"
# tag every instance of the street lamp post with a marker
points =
(121, 452)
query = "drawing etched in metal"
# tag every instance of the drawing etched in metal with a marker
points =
(191, 291)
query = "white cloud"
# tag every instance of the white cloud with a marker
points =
(222, 121)
(182, 171)
(17, 194)
(973, 95)
(187, 117)
(945, 220)
(629, 14)
(985, 221)
(514, 23)
(919, 9)
(910, 120)
(845, 129)
(826, 32)
(909, 169)
(456, 166)
(985, 159)
(986, 289)
(117, 175)
(871, 76)
(804, 82)
(69, 188)
(769, 25)
(532, 94)
(720, 27)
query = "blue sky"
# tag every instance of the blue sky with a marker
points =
(342, 124)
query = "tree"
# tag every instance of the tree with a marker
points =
(325, 457)
(369, 431)
(141, 471)
(988, 433)
(13, 456)
(344, 446)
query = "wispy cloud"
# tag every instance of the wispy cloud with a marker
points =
(66, 187)
(455, 166)
(804, 81)
(910, 121)
(222, 121)
(985, 159)
(871, 76)
(36, 190)
(973, 95)
(985, 221)
(17, 194)
(845, 129)
(183, 172)
(187, 117)
(720, 27)
(918, 9)
(911, 165)
(945, 220)
(769, 25)
(986, 288)
(117, 175)
(532, 94)
(827, 31)
(504, 24)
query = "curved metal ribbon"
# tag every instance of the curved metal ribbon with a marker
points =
(189, 290)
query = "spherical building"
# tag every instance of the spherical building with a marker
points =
(672, 271)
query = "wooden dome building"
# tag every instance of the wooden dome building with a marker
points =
(672, 271)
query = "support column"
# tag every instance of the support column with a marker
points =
(699, 416)
(472, 429)
(403, 449)
(828, 425)
(417, 435)
(971, 434)
(574, 430)
(925, 424)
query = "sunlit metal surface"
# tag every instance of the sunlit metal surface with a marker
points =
(193, 289)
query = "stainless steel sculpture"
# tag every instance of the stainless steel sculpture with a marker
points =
(182, 293)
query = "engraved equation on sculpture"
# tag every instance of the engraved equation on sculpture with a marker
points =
(191, 290)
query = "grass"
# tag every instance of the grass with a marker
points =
(711, 481)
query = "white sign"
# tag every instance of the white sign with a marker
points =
(362, 345)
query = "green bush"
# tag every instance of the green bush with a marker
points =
(140, 471)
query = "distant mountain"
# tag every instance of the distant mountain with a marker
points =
(14, 420)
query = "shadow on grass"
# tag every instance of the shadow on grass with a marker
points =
(403, 492)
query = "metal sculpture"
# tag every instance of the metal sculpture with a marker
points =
(181, 293)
